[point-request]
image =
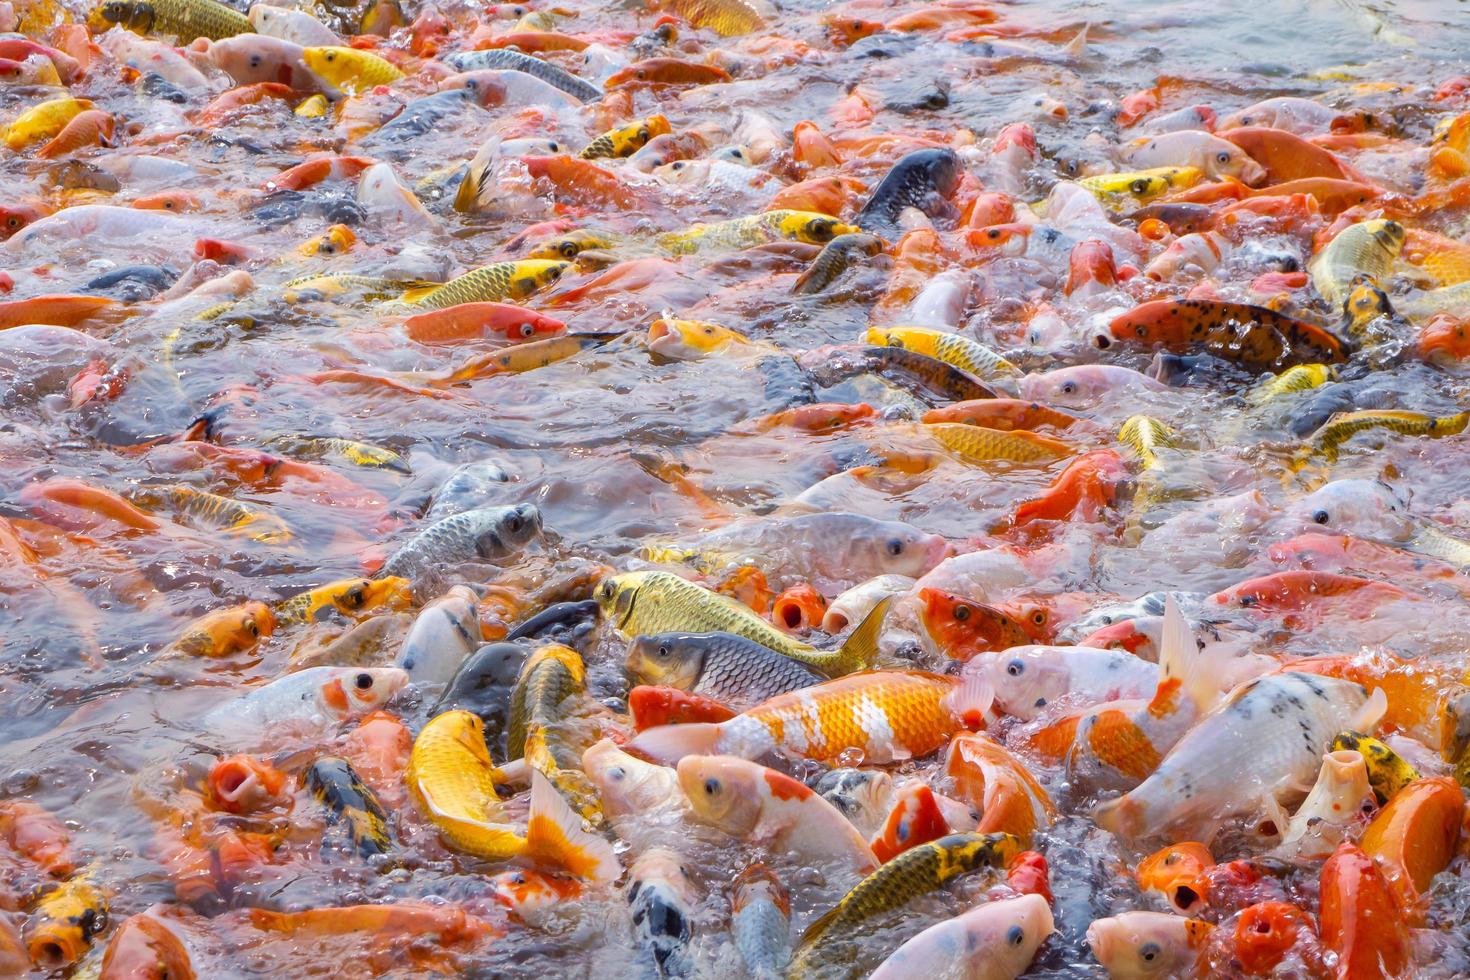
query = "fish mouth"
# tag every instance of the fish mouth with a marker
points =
(935, 551)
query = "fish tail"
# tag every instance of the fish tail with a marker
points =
(860, 649)
(555, 836)
(667, 744)
(1180, 658)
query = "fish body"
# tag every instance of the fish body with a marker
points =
(347, 799)
(917, 871)
(626, 140)
(348, 69)
(43, 121)
(977, 444)
(443, 635)
(503, 58)
(551, 682)
(1139, 187)
(1198, 149)
(184, 19)
(318, 696)
(760, 229)
(658, 602)
(662, 897)
(923, 179)
(1343, 426)
(688, 340)
(469, 486)
(1302, 377)
(909, 369)
(882, 716)
(295, 26)
(1368, 248)
(760, 922)
(348, 597)
(863, 796)
(728, 18)
(962, 352)
(500, 281)
(834, 260)
(732, 669)
(766, 807)
(1253, 336)
(996, 941)
(1028, 679)
(347, 450)
(451, 780)
(225, 632)
(485, 533)
(1269, 732)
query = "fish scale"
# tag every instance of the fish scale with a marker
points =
(1366, 248)
(917, 871)
(728, 668)
(185, 19)
(514, 280)
(834, 260)
(1344, 425)
(578, 88)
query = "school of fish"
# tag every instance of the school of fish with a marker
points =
(734, 488)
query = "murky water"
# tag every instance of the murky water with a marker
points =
(99, 730)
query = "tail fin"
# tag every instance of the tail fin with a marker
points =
(860, 650)
(667, 744)
(467, 198)
(1181, 661)
(555, 836)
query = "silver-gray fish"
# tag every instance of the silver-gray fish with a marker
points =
(445, 633)
(485, 533)
(471, 485)
(760, 922)
(736, 671)
(578, 88)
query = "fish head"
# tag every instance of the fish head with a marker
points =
(363, 689)
(1178, 872)
(627, 784)
(687, 340)
(616, 595)
(506, 529)
(1445, 338)
(1228, 160)
(526, 891)
(63, 925)
(815, 229)
(899, 549)
(1026, 681)
(861, 795)
(143, 948)
(724, 791)
(1147, 945)
(1009, 932)
(1358, 507)
(963, 628)
(667, 660)
(758, 883)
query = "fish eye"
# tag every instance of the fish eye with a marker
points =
(1138, 186)
(1015, 935)
(709, 331)
(568, 249)
(13, 221)
(1248, 600)
(513, 522)
(331, 56)
(1149, 952)
(355, 596)
(1322, 517)
(363, 681)
(553, 146)
(1039, 617)
(994, 234)
(895, 547)
(663, 650)
(1222, 157)
(961, 612)
(1173, 858)
(255, 61)
(1141, 330)
(252, 628)
(1016, 668)
(711, 786)
(526, 330)
(1069, 387)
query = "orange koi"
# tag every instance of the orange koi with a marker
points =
(878, 716)
(1132, 108)
(999, 785)
(1287, 156)
(179, 201)
(32, 832)
(437, 923)
(915, 819)
(1253, 336)
(533, 41)
(813, 151)
(578, 181)
(478, 321)
(1413, 838)
(666, 71)
(1005, 414)
(1294, 593)
(821, 417)
(1028, 874)
(526, 891)
(1360, 919)
(1091, 262)
(378, 749)
(59, 311)
(70, 496)
(1178, 872)
(1413, 687)
(226, 632)
(1267, 931)
(1333, 196)
(798, 609)
(962, 629)
(1082, 491)
(244, 784)
(823, 195)
(318, 169)
(654, 706)
(91, 127)
(937, 18)
(145, 949)
(226, 104)
(1444, 337)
